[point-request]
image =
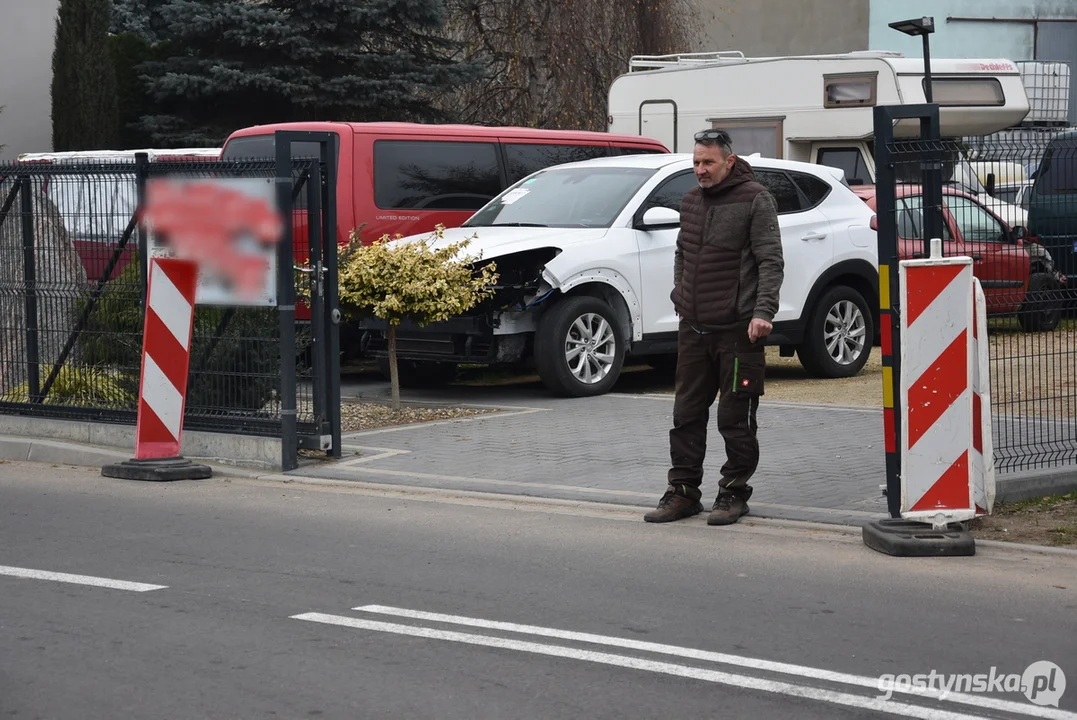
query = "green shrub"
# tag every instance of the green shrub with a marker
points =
(235, 356)
(80, 387)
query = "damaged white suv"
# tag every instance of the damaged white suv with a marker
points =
(584, 252)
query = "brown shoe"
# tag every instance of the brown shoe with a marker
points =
(673, 507)
(728, 509)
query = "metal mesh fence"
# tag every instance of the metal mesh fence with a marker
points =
(1009, 201)
(71, 313)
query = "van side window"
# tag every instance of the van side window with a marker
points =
(1058, 172)
(525, 158)
(848, 159)
(782, 188)
(435, 175)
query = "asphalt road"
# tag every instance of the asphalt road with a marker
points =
(292, 601)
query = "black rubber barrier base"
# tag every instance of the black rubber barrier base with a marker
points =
(158, 470)
(907, 538)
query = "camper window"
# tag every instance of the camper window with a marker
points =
(754, 135)
(966, 92)
(849, 90)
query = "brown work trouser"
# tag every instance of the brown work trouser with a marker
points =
(723, 361)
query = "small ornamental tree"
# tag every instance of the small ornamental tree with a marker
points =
(414, 280)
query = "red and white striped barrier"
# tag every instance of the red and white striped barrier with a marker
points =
(166, 349)
(983, 454)
(937, 448)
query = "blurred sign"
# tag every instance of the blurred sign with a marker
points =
(230, 227)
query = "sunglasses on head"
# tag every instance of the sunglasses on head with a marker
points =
(714, 135)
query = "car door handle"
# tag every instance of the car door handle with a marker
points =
(814, 236)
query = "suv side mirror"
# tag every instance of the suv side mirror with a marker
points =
(989, 186)
(1019, 232)
(659, 217)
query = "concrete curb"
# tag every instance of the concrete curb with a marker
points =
(112, 438)
(498, 499)
(17, 449)
(1031, 484)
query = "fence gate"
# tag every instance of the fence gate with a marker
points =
(72, 297)
(311, 200)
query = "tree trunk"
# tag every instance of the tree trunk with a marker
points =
(394, 375)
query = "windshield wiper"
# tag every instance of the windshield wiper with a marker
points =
(519, 224)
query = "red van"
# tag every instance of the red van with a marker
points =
(407, 178)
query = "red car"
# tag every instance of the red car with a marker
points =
(1016, 274)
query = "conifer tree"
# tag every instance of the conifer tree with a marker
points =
(234, 63)
(85, 111)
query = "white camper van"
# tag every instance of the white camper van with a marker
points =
(813, 108)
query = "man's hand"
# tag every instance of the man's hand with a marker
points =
(758, 329)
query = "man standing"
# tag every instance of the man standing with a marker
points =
(728, 270)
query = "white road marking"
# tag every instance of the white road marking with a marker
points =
(714, 676)
(78, 579)
(722, 658)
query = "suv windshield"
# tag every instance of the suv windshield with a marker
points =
(564, 198)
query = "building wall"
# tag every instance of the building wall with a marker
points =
(783, 27)
(26, 40)
(1011, 29)
(996, 34)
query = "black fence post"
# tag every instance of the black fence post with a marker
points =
(29, 265)
(889, 302)
(934, 155)
(316, 281)
(286, 307)
(328, 188)
(142, 161)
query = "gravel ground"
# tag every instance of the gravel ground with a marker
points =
(1035, 373)
(356, 416)
(1048, 521)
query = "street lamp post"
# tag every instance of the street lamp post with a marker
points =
(923, 27)
(930, 160)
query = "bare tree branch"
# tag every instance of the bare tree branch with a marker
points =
(550, 63)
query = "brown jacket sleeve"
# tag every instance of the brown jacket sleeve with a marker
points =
(678, 254)
(765, 239)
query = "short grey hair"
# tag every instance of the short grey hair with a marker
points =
(714, 137)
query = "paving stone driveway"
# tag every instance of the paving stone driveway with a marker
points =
(819, 463)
